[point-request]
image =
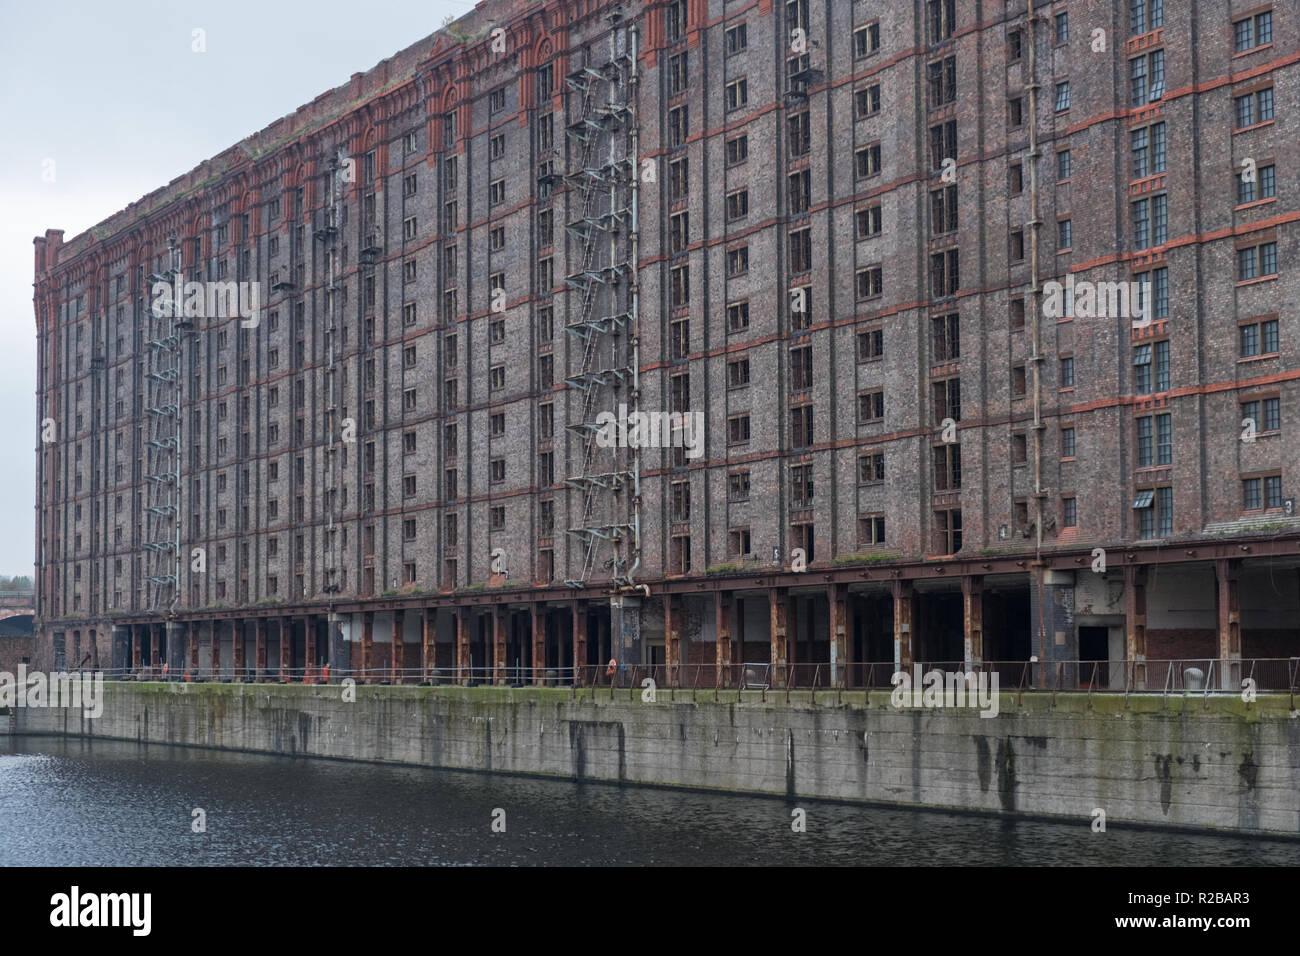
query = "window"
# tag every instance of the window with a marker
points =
(1062, 165)
(802, 536)
(1259, 338)
(868, 160)
(941, 81)
(945, 337)
(1015, 46)
(1064, 234)
(497, 100)
(866, 40)
(678, 76)
(943, 143)
(1015, 112)
(801, 486)
(870, 282)
(1062, 96)
(1148, 150)
(1145, 15)
(678, 179)
(1061, 23)
(871, 468)
(1142, 369)
(737, 39)
(871, 406)
(1067, 372)
(1272, 409)
(943, 210)
(1018, 387)
(869, 222)
(944, 278)
(737, 150)
(737, 93)
(801, 368)
(1252, 32)
(737, 316)
(1254, 108)
(408, 313)
(738, 372)
(1017, 250)
(1150, 222)
(945, 398)
(871, 345)
(800, 251)
(1262, 186)
(866, 102)
(1256, 262)
(1156, 284)
(738, 204)
(737, 429)
(679, 286)
(799, 128)
(497, 192)
(947, 467)
(801, 426)
(1155, 512)
(497, 470)
(675, 19)
(738, 261)
(738, 486)
(941, 16)
(1016, 178)
(1154, 441)
(678, 126)
(1067, 442)
(871, 530)
(800, 192)
(947, 531)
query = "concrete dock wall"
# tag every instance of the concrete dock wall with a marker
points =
(1205, 763)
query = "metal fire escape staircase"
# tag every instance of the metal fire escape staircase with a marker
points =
(162, 475)
(603, 178)
(328, 235)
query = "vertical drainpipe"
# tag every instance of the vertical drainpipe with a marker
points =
(1035, 332)
(634, 319)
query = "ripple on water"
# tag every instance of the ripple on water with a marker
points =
(104, 803)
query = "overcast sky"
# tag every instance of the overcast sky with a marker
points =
(112, 92)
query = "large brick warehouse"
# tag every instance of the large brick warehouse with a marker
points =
(980, 322)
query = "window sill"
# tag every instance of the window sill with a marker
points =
(1257, 202)
(1245, 282)
(1070, 458)
(1247, 129)
(1254, 49)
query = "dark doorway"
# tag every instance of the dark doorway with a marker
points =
(1094, 643)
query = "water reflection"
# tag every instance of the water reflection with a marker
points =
(113, 803)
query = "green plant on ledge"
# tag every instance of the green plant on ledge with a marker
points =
(865, 557)
(724, 568)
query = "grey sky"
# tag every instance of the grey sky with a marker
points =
(112, 92)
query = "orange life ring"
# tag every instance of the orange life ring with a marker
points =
(609, 671)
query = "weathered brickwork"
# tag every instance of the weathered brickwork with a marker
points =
(755, 122)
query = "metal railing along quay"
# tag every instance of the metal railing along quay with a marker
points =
(1182, 677)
